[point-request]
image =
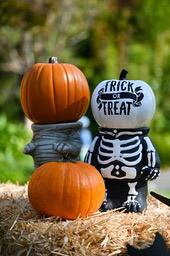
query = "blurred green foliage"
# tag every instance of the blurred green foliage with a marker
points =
(14, 165)
(101, 38)
(162, 144)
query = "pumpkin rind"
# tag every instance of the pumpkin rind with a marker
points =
(54, 93)
(68, 190)
(121, 106)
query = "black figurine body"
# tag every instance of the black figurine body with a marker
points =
(126, 159)
(122, 150)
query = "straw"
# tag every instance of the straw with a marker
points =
(23, 231)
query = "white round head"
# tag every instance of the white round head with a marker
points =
(123, 104)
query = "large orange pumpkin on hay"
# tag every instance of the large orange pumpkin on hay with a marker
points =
(54, 92)
(68, 190)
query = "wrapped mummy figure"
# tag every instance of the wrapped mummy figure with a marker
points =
(122, 151)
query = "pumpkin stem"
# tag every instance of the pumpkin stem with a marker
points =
(53, 60)
(123, 74)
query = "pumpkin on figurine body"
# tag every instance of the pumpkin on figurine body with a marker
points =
(54, 92)
(123, 104)
(68, 190)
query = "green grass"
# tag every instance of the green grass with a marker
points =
(162, 144)
(17, 172)
(14, 165)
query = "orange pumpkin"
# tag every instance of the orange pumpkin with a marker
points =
(67, 190)
(54, 92)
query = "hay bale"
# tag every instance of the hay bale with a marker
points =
(24, 232)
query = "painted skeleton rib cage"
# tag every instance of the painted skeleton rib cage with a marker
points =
(125, 156)
(122, 146)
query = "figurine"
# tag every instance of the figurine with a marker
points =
(122, 151)
(55, 143)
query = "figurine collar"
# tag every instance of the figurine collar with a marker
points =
(124, 131)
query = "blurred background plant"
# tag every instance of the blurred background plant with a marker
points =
(101, 38)
(14, 166)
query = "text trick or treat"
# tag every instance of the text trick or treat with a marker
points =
(67, 190)
(54, 93)
(122, 150)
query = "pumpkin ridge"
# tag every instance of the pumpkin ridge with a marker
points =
(22, 95)
(85, 107)
(40, 70)
(67, 78)
(23, 98)
(64, 179)
(33, 187)
(86, 93)
(80, 86)
(77, 199)
(81, 93)
(75, 85)
(91, 192)
(53, 90)
(28, 98)
(40, 67)
(36, 81)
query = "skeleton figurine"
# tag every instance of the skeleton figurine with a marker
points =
(122, 150)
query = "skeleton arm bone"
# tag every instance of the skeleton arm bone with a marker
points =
(151, 170)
